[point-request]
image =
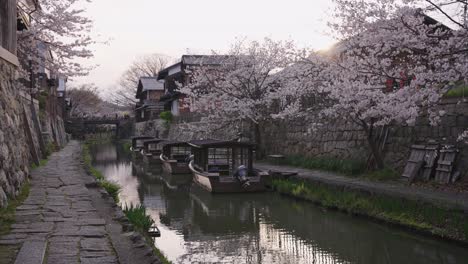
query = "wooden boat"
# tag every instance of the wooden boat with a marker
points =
(225, 167)
(152, 150)
(137, 145)
(174, 157)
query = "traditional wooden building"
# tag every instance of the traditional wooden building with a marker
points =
(14, 17)
(173, 100)
(149, 92)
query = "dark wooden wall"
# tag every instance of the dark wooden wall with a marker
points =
(8, 25)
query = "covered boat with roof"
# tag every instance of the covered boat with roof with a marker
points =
(137, 143)
(175, 157)
(225, 166)
(151, 150)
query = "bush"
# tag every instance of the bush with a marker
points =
(166, 116)
(460, 91)
(50, 148)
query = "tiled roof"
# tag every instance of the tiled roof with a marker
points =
(151, 84)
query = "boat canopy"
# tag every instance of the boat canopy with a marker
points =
(139, 140)
(214, 143)
(220, 156)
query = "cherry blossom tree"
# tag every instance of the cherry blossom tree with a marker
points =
(240, 87)
(464, 137)
(392, 65)
(60, 25)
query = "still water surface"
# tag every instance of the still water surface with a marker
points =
(198, 227)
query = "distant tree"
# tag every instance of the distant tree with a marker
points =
(146, 66)
(85, 100)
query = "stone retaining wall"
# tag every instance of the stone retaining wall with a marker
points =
(23, 137)
(348, 141)
(14, 149)
(155, 128)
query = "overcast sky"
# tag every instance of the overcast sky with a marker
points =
(139, 27)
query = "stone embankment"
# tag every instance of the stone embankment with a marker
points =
(68, 219)
(397, 190)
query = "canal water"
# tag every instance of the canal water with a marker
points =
(198, 227)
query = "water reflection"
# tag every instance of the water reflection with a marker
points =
(198, 227)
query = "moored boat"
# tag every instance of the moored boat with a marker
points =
(174, 157)
(152, 150)
(225, 167)
(137, 144)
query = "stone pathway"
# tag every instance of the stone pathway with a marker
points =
(446, 199)
(63, 221)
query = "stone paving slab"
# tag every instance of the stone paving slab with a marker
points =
(446, 199)
(32, 252)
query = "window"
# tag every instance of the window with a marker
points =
(8, 25)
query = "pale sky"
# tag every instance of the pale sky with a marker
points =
(139, 27)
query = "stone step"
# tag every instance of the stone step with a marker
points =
(32, 252)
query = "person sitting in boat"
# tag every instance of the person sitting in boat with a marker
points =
(241, 176)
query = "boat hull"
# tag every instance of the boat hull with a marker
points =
(173, 166)
(151, 159)
(216, 184)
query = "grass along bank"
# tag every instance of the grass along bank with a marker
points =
(425, 218)
(142, 222)
(7, 214)
(111, 188)
(348, 167)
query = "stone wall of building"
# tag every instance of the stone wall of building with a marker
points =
(14, 148)
(155, 128)
(25, 131)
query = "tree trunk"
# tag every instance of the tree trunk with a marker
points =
(374, 147)
(376, 153)
(258, 141)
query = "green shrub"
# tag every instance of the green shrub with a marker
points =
(459, 91)
(166, 116)
(42, 162)
(50, 148)
(42, 101)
